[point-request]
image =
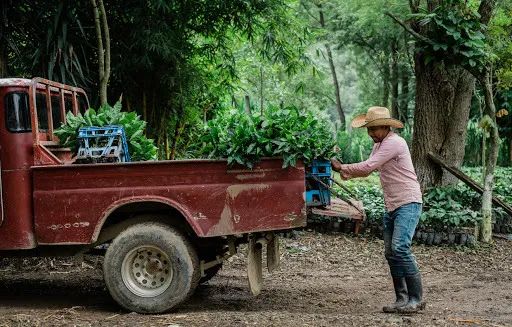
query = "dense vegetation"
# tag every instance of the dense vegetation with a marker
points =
(444, 208)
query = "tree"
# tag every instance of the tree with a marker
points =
(102, 35)
(335, 81)
(443, 96)
(44, 38)
(380, 50)
(452, 38)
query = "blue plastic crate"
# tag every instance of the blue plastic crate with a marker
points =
(316, 193)
(102, 144)
(321, 168)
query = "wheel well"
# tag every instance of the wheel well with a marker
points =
(137, 212)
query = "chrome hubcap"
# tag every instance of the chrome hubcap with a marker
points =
(147, 271)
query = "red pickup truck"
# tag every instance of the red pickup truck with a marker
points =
(166, 225)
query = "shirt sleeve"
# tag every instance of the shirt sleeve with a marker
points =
(379, 156)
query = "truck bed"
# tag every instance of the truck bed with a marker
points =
(72, 202)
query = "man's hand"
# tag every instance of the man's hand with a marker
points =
(344, 176)
(336, 164)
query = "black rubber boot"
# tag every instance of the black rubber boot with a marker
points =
(415, 290)
(401, 295)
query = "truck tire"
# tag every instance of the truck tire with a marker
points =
(151, 268)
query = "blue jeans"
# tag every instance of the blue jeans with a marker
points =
(399, 226)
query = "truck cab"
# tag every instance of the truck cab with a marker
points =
(26, 103)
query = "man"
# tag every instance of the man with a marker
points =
(402, 197)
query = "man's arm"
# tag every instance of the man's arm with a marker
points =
(379, 157)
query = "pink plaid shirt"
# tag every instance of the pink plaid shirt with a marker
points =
(392, 159)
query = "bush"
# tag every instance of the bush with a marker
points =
(367, 190)
(502, 181)
(450, 207)
(289, 133)
(140, 147)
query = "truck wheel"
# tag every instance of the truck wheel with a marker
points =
(150, 268)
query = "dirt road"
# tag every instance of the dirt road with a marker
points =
(325, 280)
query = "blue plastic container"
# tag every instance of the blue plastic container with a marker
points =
(317, 195)
(107, 143)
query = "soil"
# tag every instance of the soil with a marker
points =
(324, 280)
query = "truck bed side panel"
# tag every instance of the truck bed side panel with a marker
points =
(71, 202)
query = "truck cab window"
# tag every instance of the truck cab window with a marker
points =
(42, 115)
(56, 114)
(17, 112)
(68, 103)
(82, 103)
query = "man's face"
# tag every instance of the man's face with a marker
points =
(378, 133)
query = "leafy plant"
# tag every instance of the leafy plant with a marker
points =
(368, 190)
(449, 207)
(354, 146)
(140, 147)
(287, 132)
(502, 182)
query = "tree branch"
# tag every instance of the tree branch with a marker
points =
(410, 30)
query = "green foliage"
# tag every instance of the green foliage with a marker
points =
(500, 29)
(355, 146)
(475, 133)
(502, 181)
(460, 206)
(140, 147)
(287, 133)
(368, 190)
(45, 39)
(450, 207)
(456, 35)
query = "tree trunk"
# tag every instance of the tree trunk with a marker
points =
(247, 105)
(443, 97)
(261, 89)
(385, 83)
(106, 35)
(395, 113)
(510, 152)
(3, 60)
(335, 82)
(485, 230)
(145, 109)
(404, 103)
(177, 133)
(128, 105)
(99, 39)
(166, 145)
(101, 26)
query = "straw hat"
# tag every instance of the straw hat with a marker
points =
(376, 116)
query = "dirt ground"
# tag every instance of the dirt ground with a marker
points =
(324, 280)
